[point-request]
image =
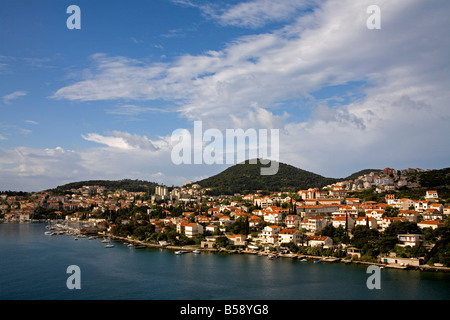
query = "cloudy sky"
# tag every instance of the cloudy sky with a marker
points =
(102, 102)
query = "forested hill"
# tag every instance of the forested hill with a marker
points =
(246, 178)
(125, 184)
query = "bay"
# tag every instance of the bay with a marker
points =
(33, 266)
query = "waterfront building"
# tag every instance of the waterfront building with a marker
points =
(193, 229)
(320, 241)
(410, 239)
(288, 236)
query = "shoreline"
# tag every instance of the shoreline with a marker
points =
(294, 256)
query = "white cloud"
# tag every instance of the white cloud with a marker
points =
(33, 169)
(133, 110)
(400, 115)
(14, 95)
(122, 140)
(257, 13)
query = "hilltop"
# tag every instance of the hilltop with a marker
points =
(245, 178)
(112, 185)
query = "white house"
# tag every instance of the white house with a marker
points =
(410, 239)
(432, 214)
(288, 235)
(273, 217)
(269, 234)
(364, 221)
(212, 228)
(351, 211)
(436, 206)
(238, 239)
(446, 210)
(375, 213)
(320, 241)
(432, 195)
(433, 224)
(341, 221)
(314, 224)
(421, 205)
(193, 229)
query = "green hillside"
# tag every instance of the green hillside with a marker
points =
(112, 185)
(247, 178)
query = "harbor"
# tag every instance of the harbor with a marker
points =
(84, 231)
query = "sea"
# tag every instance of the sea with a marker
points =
(36, 266)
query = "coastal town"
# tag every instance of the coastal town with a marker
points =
(325, 223)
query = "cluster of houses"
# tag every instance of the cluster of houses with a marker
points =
(273, 220)
(301, 224)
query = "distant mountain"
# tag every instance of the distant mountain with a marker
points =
(112, 185)
(247, 178)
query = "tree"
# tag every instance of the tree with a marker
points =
(241, 226)
(365, 239)
(222, 241)
(402, 227)
(391, 212)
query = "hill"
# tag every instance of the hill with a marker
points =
(112, 185)
(247, 178)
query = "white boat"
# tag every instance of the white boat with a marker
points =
(196, 251)
(109, 245)
(130, 245)
(180, 252)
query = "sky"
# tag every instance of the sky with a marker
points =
(103, 101)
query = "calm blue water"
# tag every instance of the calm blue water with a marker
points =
(33, 266)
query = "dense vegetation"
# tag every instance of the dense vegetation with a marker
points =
(246, 178)
(434, 178)
(125, 184)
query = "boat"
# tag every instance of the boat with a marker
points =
(317, 261)
(272, 256)
(130, 245)
(105, 240)
(304, 260)
(196, 251)
(109, 245)
(180, 252)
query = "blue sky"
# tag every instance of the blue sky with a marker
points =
(102, 102)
